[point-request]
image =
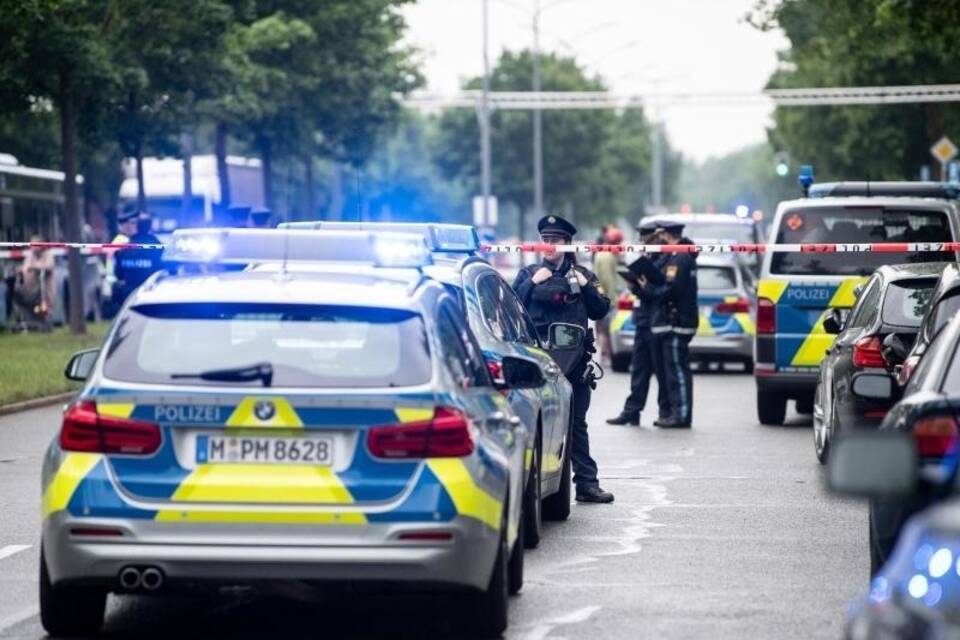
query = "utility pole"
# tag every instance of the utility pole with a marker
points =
(537, 123)
(657, 165)
(485, 119)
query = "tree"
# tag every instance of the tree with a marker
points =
(864, 43)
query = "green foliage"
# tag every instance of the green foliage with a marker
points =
(865, 43)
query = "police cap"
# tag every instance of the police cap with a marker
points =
(555, 225)
(670, 226)
(647, 226)
(127, 215)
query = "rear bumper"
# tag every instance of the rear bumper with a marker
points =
(732, 346)
(368, 553)
(622, 341)
(785, 382)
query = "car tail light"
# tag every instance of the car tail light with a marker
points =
(624, 302)
(766, 316)
(867, 353)
(936, 435)
(84, 429)
(740, 305)
(446, 435)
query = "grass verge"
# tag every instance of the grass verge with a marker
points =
(31, 364)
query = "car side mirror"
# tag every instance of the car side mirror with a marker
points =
(833, 323)
(81, 364)
(857, 290)
(873, 386)
(873, 464)
(895, 348)
(562, 336)
(520, 373)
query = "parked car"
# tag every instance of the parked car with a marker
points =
(944, 305)
(891, 303)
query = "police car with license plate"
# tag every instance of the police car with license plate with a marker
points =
(503, 328)
(248, 427)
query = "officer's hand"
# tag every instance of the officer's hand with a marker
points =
(581, 279)
(542, 275)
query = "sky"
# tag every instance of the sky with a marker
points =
(638, 46)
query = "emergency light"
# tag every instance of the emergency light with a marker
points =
(245, 246)
(441, 238)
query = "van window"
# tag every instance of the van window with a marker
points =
(856, 225)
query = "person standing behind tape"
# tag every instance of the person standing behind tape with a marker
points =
(559, 290)
(675, 321)
(605, 265)
(135, 265)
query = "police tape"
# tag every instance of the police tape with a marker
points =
(717, 248)
(19, 250)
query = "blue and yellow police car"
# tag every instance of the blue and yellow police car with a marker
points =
(245, 427)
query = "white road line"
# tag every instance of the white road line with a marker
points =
(10, 549)
(18, 617)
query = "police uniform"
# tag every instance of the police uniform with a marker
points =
(673, 284)
(642, 360)
(560, 298)
(135, 265)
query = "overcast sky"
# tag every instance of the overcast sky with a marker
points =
(636, 45)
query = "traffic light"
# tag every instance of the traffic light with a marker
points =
(781, 162)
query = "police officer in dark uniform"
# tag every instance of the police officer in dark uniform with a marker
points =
(134, 266)
(673, 284)
(559, 290)
(642, 361)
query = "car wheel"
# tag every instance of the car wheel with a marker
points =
(515, 568)
(532, 505)
(748, 365)
(804, 405)
(557, 506)
(487, 610)
(620, 362)
(69, 611)
(821, 436)
(771, 407)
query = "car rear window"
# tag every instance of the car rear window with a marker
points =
(740, 233)
(716, 278)
(857, 225)
(306, 345)
(906, 301)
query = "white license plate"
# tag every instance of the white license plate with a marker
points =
(253, 450)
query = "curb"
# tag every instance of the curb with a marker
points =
(35, 403)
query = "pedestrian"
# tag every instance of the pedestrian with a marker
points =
(34, 290)
(136, 264)
(643, 364)
(557, 289)
(605, 265)
(673, 283)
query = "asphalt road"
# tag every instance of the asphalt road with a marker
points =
(723, 531)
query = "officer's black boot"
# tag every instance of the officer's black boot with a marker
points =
(626, 418)
(591, 493)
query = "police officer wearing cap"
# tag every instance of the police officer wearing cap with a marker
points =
(642, 360)
(557, 289)
(672, 283)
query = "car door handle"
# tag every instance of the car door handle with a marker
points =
(500, 420)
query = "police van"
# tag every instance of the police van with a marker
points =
(797, 290)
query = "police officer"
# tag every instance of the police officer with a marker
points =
(135, 265)
(642, 358)
(673, 284)
(559, 290)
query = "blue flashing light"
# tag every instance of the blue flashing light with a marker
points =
(805, 177)
(201, 248)
(400, 250)
(442, 238)
(918, 585)
(742, 211)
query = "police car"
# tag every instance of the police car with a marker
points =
(797, 291)
(503, 328)
(240, 428)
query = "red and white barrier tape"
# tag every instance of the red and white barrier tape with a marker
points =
(18, 250)
(872, 247)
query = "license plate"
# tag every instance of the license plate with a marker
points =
(248, 449)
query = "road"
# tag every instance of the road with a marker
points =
(723, 531)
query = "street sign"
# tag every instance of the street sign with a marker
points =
(481, 220)
(944, 150)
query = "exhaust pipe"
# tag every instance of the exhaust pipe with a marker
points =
(130, 578)
(152, 579)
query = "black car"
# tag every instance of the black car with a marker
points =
(891, 302)
(944, 305)
(929, 411)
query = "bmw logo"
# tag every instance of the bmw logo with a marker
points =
(264, 410)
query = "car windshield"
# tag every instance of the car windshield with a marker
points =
(716, 278)
(306, 345)
(857, 225)
(944, 311)
(906, 302)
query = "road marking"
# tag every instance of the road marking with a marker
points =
(18, 617)
(543, 629)
(10, 549)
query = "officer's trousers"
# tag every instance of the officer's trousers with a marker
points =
(643, 365)
(584, 466)
(674, 353)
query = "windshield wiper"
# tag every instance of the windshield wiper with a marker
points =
(262, 371)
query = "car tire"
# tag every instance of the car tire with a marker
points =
(515, 567)
(804, 405)
(556, 508)
(69, 611)
(771, 407)
(486, 611)
(620, 362)
(532, 499)
(748, 365)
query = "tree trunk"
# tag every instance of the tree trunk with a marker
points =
(68, 145)
(141, 189)
(267, 159)
(222, 173)
(186, 203)
(310, 188)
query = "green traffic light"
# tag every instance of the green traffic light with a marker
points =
(783, 169)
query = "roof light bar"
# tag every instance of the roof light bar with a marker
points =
(442, 238)
(245, 246)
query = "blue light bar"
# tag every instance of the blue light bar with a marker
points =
(442, 238)
(246, 246)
